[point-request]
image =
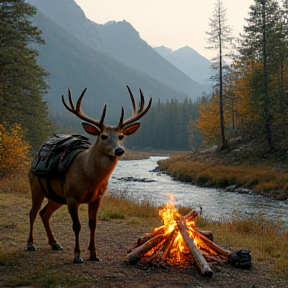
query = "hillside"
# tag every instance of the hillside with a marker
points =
(75, 65)
(119, 40)
(189, 61)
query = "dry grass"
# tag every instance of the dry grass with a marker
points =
(267, 241)
(261, 179)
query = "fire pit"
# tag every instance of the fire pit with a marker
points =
(179, 243)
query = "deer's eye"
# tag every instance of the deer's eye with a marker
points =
(121, 137)
(104, 137)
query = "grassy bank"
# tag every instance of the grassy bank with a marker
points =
(220, 171)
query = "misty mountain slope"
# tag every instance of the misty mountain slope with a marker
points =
(189, 61)
(122, 41)
(75, 65)
(119, 40)
(68, 15)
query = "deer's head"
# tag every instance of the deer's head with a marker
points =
(110, 138)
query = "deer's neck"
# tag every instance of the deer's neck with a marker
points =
(99, 166)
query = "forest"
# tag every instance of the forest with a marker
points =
(248, 98)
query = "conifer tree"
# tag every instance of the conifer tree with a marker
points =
(22, 80)
(219, 38)
(258, 51)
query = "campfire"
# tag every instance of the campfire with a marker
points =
(179, 243)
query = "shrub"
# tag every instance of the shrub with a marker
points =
(13, 151)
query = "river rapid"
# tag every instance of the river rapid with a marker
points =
(133, 178)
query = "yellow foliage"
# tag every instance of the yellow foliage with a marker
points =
(13, 150)
(209, 121)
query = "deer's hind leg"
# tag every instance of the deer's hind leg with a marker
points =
(45, 214)
(37, 199)
(73, 206)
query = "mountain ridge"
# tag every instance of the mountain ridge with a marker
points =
(105, 38)
(189, 61)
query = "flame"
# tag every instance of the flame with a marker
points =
(178, 251)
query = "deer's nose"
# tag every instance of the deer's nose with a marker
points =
(119, 151)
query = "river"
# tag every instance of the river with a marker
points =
(134, 179)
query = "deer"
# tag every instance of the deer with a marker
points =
(86, 180)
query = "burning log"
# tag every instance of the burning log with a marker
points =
(207, 234)
(211, 244)
(151, 235)
(168, 247)
(135, 255)
(197, 255)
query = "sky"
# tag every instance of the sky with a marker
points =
(170, 23)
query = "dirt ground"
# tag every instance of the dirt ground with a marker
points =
(47, 268)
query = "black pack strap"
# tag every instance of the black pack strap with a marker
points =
(43, 189)
(54, 197)
(50, 194)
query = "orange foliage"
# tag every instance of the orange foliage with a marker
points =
(13, 151)
(209, 121)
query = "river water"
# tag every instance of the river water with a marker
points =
(135, 179)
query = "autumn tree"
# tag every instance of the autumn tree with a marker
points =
(208, 122)
(219, 39)
(13, 151)
(258, 47)
(22, 80)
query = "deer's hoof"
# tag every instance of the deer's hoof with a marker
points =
(56, 247)
(30, 247)
(94, 258)
(78, 260)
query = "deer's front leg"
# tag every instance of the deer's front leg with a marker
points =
(73, 206)
(93, 214)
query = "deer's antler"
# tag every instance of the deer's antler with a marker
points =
(136, 114)
(78, 111)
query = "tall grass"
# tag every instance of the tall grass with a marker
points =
(120, 206)
(260, 180)
(266, 240)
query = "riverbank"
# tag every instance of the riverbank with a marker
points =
(241, 169)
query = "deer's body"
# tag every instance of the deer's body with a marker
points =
(86, 179)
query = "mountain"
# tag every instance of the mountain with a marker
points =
(189, 61)
(118, 40)
(75, 65)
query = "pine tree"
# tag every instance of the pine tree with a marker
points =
(258, 50)
(219, 37)
(22, 80)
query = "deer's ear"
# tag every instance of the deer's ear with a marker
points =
(131, 129)
(91, 129)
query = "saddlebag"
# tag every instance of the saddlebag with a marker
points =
(57, 153)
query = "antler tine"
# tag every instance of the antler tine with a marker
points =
(142, 101)
(136, 114)
(103, 115)
(78, 111)
(121, 117)
(78, 105)
(132, 99)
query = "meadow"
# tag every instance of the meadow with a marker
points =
(121, 221)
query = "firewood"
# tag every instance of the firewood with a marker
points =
(197, 255)
(207, 234)
(135, 255)
(168, 245)
(149, 236)
(191, 216)
(211, 244)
